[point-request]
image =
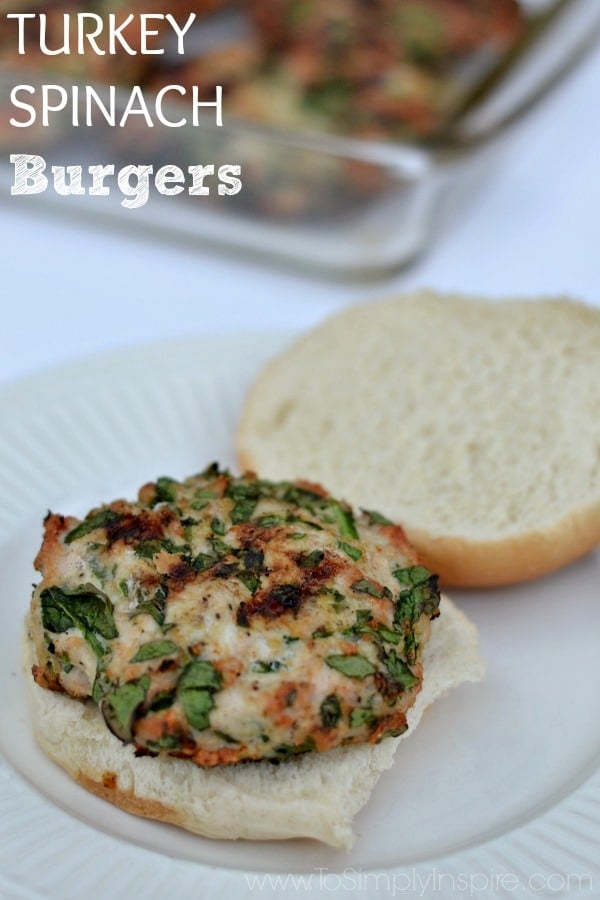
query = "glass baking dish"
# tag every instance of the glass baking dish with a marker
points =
(349, 206)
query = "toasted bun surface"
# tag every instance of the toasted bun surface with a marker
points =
(315, 795)
(475, 424)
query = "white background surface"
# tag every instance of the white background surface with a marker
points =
(70, 288)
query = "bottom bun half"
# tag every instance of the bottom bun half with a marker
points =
(315, 795)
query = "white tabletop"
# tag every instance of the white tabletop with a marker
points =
(71, 287)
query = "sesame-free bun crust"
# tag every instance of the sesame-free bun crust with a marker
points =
(315, 795)
(475, 424)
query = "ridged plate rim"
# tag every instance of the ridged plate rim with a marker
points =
(565, 835)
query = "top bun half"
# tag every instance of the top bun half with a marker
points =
(475, 424)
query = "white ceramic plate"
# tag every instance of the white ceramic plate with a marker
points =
(496, 795)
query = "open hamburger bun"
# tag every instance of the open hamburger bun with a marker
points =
(475, 424)
(315, 795)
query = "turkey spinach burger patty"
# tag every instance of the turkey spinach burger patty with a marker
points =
(229, 618)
